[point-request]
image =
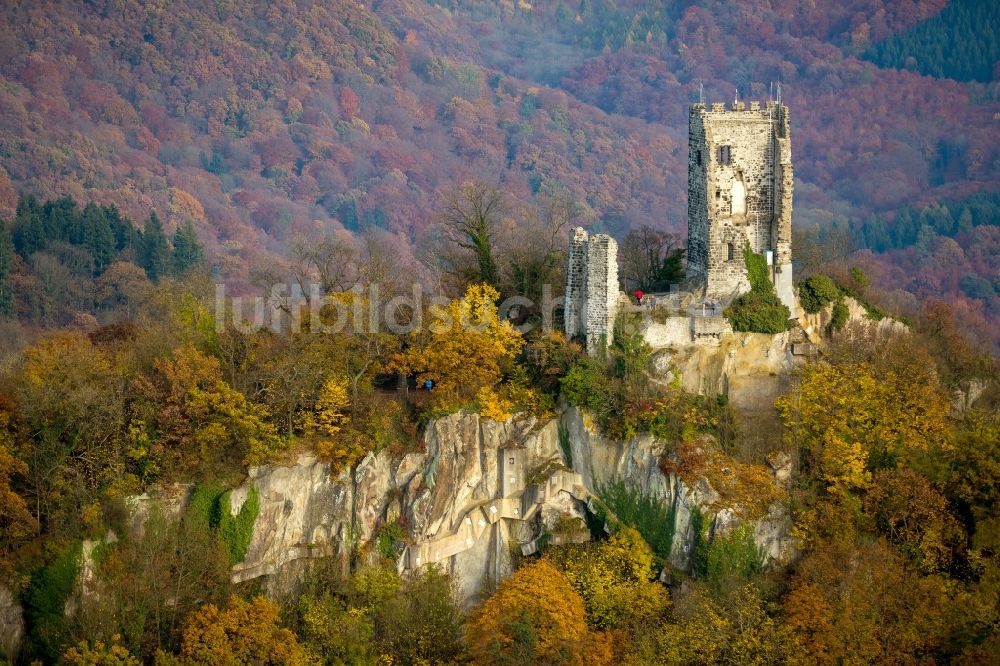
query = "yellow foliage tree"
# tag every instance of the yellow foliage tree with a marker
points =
(861, 604)
(535, 616)
(16, 521)
(707, 630)
(229, 419)
(326, 424)
(201, 406)
(893, 414)
(914, 515)
(614, 579)
(329, 416)
(99, 654)
(245, 632)
(492, 405)
(843, 465)
(464, 349)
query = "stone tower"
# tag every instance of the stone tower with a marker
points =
(739, 191)
(591, 289)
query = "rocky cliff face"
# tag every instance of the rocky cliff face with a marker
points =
(482, 491)
(11, 624)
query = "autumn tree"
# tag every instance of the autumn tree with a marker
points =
(877, 414)
(16, 520)
(534, 616)
(291, 371)
(615, 579)
(326, 422)
(464, 349)
(422, 622)
(72, 418)
(861, 604)
(704, 629)
(377, 616)
(195, 411)
(971, 467)
(335, 633)
(124, 287)
(62, 293)
(244, 632)
(151, 581)
(99, 654)
(913, 514)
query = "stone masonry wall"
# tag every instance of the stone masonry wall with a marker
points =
(745, 200)
(697, 253)
(591, 289)
(576, 284)
(602, 291)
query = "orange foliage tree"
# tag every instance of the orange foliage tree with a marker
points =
(245, 632)
(533, 617)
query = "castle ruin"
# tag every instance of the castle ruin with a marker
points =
(740, 183)
(591, 289)
(739, 192)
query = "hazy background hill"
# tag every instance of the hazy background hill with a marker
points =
(260, 122)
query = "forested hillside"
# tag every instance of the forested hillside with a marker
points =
(261, 124)
(960, 43)
(159, 157)
(893, 502)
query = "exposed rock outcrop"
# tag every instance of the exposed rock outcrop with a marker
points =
(599, 461)
(465, 502)
(857, 317)
(967, 393)
(11, 625)
(481, 490)
(304, 512)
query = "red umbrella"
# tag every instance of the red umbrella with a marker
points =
(638, 295)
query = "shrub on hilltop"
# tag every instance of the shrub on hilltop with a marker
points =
(759, 310)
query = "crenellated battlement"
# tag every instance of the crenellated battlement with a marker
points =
(752, 109)
(740, 181)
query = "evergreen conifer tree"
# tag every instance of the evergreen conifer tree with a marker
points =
(28, 232)
(187, 250)
(7, 310)
(155, 251)
(98, 237)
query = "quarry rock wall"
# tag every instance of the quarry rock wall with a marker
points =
(481, 490)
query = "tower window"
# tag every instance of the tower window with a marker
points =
(699, 158)
(731, 251)
(724, 155)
